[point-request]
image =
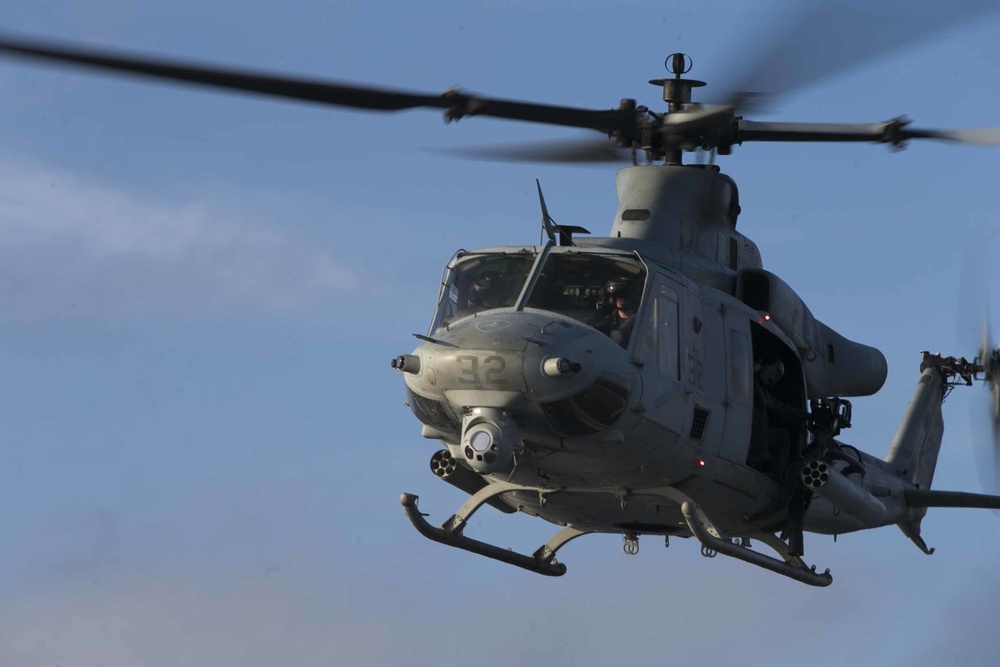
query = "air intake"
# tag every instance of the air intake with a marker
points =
(699, 422)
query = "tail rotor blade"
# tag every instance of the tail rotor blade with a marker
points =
(975, 326)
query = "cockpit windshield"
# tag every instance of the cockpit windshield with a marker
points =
(602, 291)
(483, 281)
(598, 290)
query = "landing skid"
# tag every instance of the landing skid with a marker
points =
(541, 561)
(714, 541)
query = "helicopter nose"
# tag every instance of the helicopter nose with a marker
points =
(526, 362)
(480, 361)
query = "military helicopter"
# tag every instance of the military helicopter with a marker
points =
(655, 382)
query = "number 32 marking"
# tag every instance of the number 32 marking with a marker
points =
(490, 374)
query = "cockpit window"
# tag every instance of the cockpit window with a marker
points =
(597, 290)
(590, 411)
(483, 281)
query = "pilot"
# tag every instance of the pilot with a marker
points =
(487, 291)
(621, 295)
(770, 442)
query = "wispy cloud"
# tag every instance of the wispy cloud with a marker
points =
(351, 617)
(72, 247)
(188, 620)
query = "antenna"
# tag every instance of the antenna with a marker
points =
(565, 231)
(548, 224)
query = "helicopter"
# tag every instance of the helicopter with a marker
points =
(546, 404)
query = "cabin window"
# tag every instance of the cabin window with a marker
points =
(433, 413)
(482, 281)
(659, 345)
(648, 344)
(668, 317)
(739, 366)
(600, 291)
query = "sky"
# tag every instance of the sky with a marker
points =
(200, 293)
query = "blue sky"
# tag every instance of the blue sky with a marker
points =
(200, 294)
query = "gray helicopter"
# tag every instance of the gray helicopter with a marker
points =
(658, 381)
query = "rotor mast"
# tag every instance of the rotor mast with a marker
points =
(677, 94)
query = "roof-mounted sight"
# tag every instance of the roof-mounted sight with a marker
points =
(677, 91)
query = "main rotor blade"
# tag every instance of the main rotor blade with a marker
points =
(977, 137)
(569, 150)
(750, 130)
(826, 38)
(455, 103)
(895, 132)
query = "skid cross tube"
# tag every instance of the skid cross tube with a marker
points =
(542, 561)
